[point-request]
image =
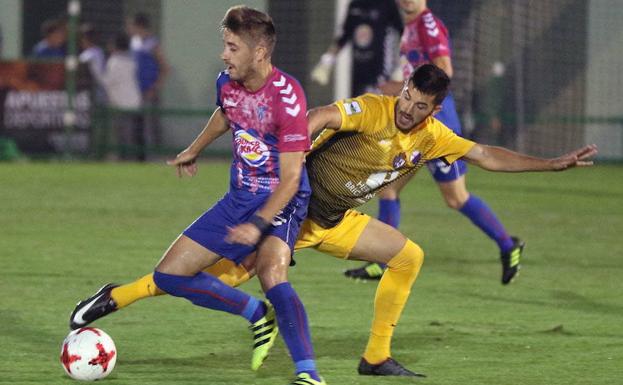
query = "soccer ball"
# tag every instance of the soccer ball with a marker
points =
(88, 354)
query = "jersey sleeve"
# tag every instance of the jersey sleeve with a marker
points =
(433, 36)
(292, 119)
(361, 114)
(222, 78)
(448, 145)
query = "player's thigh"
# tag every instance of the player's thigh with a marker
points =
(186, 257)
(378, 242)
(393, 190)
(273, 259)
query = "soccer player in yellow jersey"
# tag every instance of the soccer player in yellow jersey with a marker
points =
(364, 144)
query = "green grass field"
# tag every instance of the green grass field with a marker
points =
(68, 228)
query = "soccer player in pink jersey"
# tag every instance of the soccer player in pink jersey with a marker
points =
(264, 109)
(425, 39)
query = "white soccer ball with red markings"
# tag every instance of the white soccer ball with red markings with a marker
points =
(88, 354)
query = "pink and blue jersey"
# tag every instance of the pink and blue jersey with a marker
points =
(264, 124)
(423, 39)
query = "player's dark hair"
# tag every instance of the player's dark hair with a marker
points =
(89, 32)
(142, 20)
(251, 24)
(52, 25)
(431, 80)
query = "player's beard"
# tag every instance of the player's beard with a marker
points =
(410, 126)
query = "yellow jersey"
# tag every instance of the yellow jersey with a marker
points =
(347, 166)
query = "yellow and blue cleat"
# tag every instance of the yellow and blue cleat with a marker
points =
(265, 332)
(306, 379)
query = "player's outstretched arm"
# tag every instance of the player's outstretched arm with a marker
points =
(501, 159)
(323, 117)
(185, 160)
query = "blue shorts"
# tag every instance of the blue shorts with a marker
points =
(441, 171)
(210, 229)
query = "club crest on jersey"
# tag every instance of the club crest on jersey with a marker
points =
(400, 160)
(253, 151)
(415, 157)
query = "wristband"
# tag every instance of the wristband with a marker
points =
(259, 222)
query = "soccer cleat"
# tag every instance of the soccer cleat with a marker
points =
(265, 332)
(305, 379)
(389, 367)
(510, 261)
(370, 271)
(92, 308)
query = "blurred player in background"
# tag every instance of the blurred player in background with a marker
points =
(364, 144)
(52, 46)
(152, 71)
(266, 203)
(373, 27)
(425, 39)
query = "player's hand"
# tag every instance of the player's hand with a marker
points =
(322, 71)
(245, 234)
(185, 163)
(577, 158)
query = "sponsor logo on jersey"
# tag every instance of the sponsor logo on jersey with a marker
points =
(253, 151)
(415, 157)
(352, 107)
(229, 103)
(399, 160)
(294, 137)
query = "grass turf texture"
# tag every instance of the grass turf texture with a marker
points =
(69, 228)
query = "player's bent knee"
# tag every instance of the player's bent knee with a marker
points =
(410, 258)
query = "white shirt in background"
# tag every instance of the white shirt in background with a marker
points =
(119, 80)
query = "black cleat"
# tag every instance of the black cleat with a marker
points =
(510, 261)
(369, 272)
(389, 367)
(92, 308)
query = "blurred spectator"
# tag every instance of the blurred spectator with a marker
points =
(52, 45)
(152, 65)
(152, 72)
(373, 27)
(121, 85)
(93, 54)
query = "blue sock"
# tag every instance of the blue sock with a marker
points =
(389, 212)
(208, 291)
(292, 321)
(482, 216)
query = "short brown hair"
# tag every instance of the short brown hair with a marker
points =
(251, 24)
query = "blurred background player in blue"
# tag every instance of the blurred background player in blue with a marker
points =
(152, 71)
(373, 28)
(52, 46)
(265, 109)
(425, 39)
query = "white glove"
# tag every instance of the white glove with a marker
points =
(322, 71)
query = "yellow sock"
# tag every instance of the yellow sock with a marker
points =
(228, 272)
(141, 288)
(391, 297)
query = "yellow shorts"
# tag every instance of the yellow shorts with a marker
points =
(337, 241)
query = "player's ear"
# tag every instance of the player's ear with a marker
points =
(436, 109)
(260, 52)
